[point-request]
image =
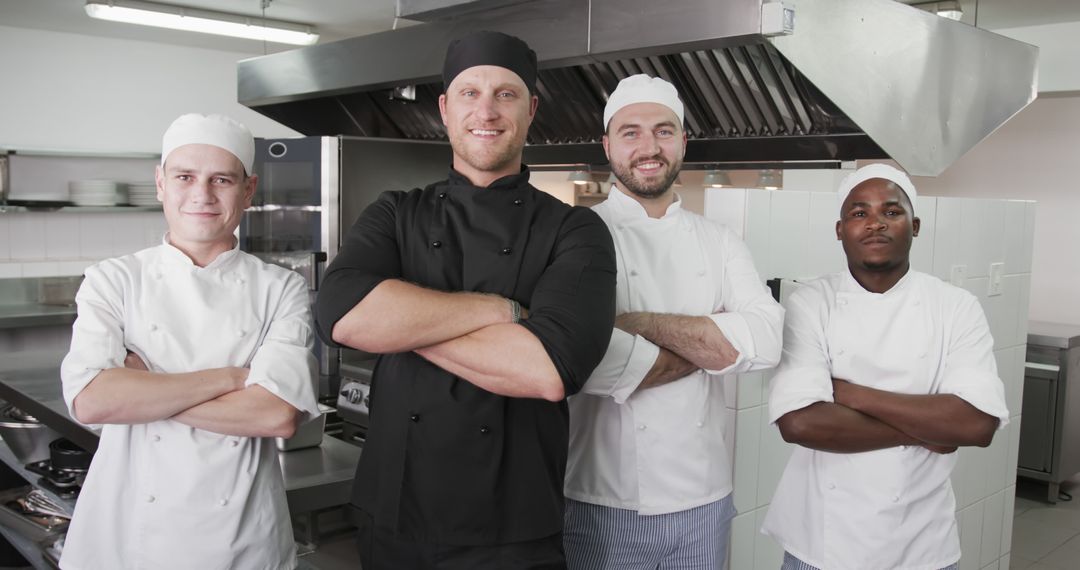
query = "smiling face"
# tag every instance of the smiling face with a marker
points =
(487, 111)
(876, 226)
(645, 145)
(204, 193)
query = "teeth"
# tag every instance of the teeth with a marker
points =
(484, 133)
(649, 165)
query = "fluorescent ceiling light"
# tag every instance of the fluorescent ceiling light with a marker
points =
(205, 21)
(950, 9)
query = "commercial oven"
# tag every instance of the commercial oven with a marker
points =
(310, 191)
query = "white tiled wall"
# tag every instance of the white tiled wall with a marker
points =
(791, 235)
(48, 244)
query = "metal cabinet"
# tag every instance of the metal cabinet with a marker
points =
(1050, 415)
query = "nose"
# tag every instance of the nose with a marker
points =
(650, 146)
(876, 223)
(201, 192)
(486, 109)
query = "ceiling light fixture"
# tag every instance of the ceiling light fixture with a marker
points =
(769, 180)
(580, 177)
(945, 8)
(716, 179)
(204, 21)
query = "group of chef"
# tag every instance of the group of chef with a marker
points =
(549, 391)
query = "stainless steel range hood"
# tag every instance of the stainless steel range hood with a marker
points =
(851, 79)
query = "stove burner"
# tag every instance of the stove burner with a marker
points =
(66, 483)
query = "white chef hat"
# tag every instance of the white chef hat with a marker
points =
(217, 130)
(877, 170)
(641, 88)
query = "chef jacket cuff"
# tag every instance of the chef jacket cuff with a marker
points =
(796, 388)
(626, 362)
(982, 390)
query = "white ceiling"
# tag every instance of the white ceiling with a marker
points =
(339, 19)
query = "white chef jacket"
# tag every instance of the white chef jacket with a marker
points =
(164, 495)
(891, 508)
(662, 450)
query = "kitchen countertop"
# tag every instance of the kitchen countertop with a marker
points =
(315, 478)
(35, 315)
(1056, 335)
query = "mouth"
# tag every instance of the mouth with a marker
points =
(876, 240)
(649, 167)
(486, 133)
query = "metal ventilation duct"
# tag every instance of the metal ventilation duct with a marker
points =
(855, 79)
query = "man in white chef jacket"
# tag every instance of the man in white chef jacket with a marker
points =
(885, 372)
(216, 346)
(649, 478)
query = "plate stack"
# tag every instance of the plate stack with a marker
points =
(97, 192)
(142, 194)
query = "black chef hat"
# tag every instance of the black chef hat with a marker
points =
(490, 48)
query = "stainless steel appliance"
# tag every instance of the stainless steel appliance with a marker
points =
(1050, 426)
(761, 80)
(354, 400)
(310, 191)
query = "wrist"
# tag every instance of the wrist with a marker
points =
(515, 311)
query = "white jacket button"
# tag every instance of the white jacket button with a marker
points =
(150, 499)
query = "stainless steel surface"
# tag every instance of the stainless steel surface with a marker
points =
(428, 10)
(3, 178)
(35, 315)
(27, 438)
(316, 477)
(310, 434)
(1050, 432)
(925, 88)
(1057, 335)
(856, 79)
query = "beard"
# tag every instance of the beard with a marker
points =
(645, 188)
(485, 157)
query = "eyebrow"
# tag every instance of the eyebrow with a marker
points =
(887, 203)
(637, 126)
(228, 173)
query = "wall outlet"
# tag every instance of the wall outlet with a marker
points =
(957, 275)
(997, 271)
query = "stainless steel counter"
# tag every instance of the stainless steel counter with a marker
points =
(35, 315)
(1056, 335)
(315, 478)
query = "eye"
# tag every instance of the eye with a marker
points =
(183, 177)
(665, 133)
(507, 94)
(629, 134)
(222, 180)
(857, 214)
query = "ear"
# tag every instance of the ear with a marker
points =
(534, 103)
(684, 139)
(159, 182)
(442, 108)
(606, 153)
(916, 223)
(838, 238)
(249, 190)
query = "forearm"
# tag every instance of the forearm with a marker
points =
(481, 358)
(826, 426)
(131, 396)
(251, 412)
(397, 316)
(667, 368)
(938, 419)
(696, 339)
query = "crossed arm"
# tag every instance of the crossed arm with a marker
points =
(686, 344)
(865, 419)
(214, 400)
(469, 335)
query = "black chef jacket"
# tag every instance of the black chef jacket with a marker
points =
(447, 462)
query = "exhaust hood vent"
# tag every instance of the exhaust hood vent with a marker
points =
(857, 79)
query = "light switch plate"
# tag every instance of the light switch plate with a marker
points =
(957, 275)
(997, 271)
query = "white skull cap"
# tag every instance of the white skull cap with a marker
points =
(217, 130)
(882, 171)
(641, 88)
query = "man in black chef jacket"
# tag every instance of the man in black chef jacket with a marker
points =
(489, 302)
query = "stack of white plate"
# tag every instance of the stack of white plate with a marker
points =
(97, 192)
(142, 194)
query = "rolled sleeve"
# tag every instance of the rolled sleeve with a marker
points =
(625, 364)
(752, 321)
(283, 363)
(368, 256)
(804, 375)
(572, 309)
(970, 369)
(97, 337)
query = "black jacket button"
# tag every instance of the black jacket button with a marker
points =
(485, 430)
(506, 251)
(442, 195)
(436, 244)
(518, 202)
(415, 417)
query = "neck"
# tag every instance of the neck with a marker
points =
(879, 280)
(202, 254)
(656, 206)
(484, 178)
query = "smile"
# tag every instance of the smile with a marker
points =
(485, 132)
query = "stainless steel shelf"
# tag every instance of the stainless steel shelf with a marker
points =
(78, 209)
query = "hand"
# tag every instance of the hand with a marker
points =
(133, 362)
(942, 449)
